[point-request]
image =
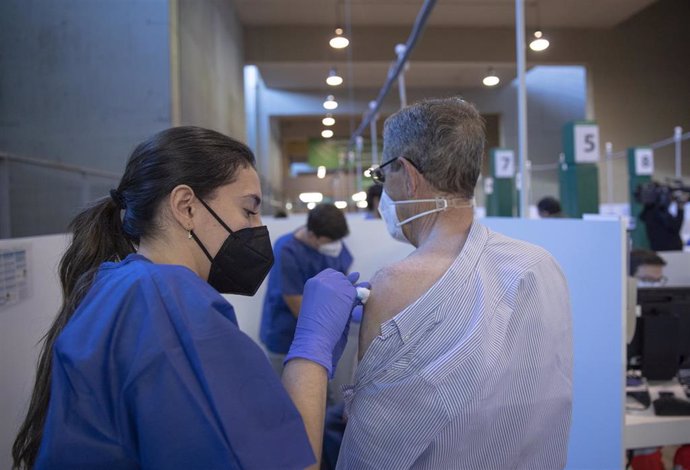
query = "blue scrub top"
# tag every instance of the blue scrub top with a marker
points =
(295, 263)
(152, 372)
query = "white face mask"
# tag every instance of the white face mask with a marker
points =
(332, 249)
(390, 215)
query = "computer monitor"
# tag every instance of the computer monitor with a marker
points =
(662, 332)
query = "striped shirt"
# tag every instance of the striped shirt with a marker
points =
(475, 374)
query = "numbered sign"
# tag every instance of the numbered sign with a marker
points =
(644, 162)
(586, 143)
(504, 164)
(488, 185)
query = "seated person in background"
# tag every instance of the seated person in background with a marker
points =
(549, 207)
(373, 198)
(466, 344)
(648, 268)
(299, 256)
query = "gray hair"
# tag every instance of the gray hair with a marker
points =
(443, 139)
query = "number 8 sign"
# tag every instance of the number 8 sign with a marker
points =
(644, 161)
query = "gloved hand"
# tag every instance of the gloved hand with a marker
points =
(324, 319)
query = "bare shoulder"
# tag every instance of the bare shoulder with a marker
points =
(393, 288)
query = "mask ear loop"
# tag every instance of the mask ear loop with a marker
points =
(441, 205)
(220, 221)
(215, 216)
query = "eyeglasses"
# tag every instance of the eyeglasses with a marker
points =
(652, 281)
(379, 176)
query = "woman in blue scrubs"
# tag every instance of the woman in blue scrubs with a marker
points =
(144, 366)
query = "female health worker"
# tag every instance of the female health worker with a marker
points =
(144, 366)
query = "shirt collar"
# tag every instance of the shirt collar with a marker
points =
(424, 312)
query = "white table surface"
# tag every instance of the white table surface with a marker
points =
(645, 429)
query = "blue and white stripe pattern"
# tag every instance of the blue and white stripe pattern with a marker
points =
(475, 374)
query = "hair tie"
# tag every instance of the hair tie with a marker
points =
(116, 196)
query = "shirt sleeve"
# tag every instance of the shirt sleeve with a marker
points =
(369, 437)
(209, 399)
(291, 278)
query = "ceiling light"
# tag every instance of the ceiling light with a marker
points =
(539, 43)
(328, 120)
(333, 78)
(326, 133)
(321, 172)
(288, 206)
(311, 197)
(330, 102)
(491, 79)
(360, 196)
(339, 41)
(362, 204)
(341, 204)
(311, 205)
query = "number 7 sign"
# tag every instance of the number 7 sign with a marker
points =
(504, 164)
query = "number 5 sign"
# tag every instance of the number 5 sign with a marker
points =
(504, 164)
(586, 143)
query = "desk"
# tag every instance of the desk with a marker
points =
(645, 429)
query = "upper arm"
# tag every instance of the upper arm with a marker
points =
(392, 426)
(378, 308)
(291, 277)
(294, 303)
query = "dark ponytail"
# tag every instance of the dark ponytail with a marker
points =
(108, 230)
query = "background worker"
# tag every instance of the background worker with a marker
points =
(299, 256)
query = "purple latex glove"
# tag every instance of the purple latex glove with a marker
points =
(324, 319)
(356, 316)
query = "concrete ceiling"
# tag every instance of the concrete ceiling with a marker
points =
(475, 13)
(371, 75)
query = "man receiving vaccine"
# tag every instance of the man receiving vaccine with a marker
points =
(465, 345)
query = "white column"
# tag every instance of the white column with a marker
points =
(522, 102)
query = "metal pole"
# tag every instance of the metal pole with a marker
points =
(374, 143)
(359, 146)
(528, 184)
(400, 51)
(609, 172)
(677, 136)
(522, 100)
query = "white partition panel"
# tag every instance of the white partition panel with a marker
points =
(591, 254)
(21, 327)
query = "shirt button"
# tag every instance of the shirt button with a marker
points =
(406, 337)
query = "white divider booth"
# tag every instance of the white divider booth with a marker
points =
(591, 253)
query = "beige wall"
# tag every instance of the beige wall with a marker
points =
(209, 40)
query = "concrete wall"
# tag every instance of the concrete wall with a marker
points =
(640, 85)
(210, 48)
(81, 83)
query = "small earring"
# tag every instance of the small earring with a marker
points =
(189, 235)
